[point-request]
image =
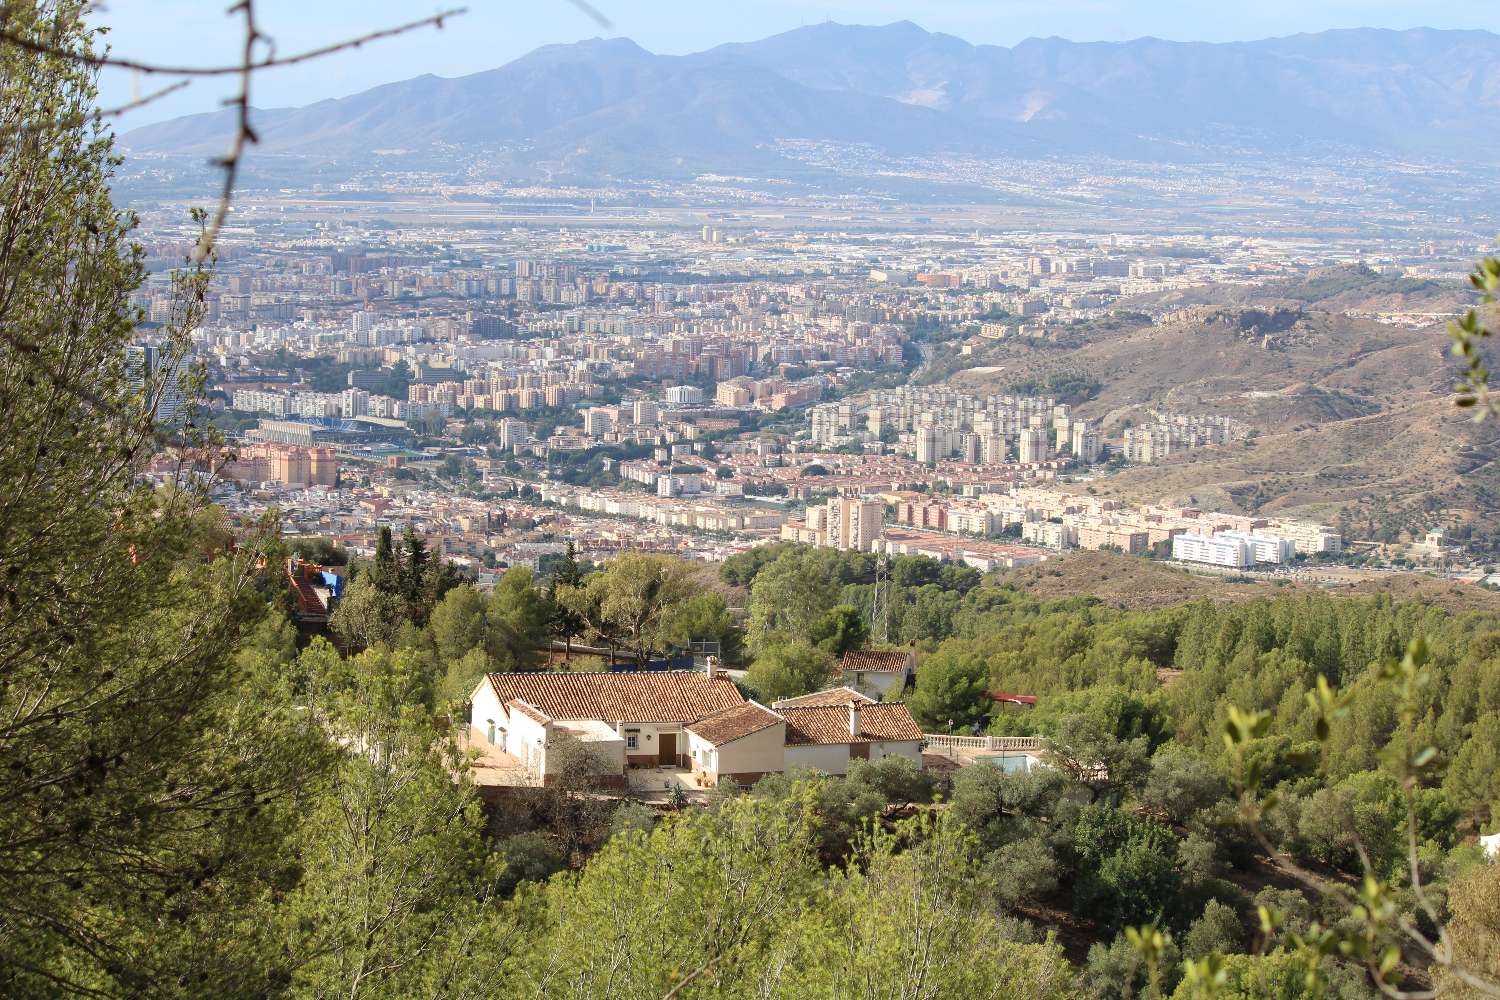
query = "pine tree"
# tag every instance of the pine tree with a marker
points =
(148, 786)
(385, 574)
(413, 574)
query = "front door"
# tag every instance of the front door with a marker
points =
(667, 749)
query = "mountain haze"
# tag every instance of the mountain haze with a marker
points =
(609, 107)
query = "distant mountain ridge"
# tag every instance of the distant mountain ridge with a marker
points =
(611, 107)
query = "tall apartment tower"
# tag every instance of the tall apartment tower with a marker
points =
(1034, 445)
(854, 522)
(927, 445)
(144, 366)
(645, 413)
(1086, 443)
(992, 449)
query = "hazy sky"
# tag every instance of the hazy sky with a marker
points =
(494, 32)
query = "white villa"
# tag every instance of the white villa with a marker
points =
(877, 671)
(689, 720)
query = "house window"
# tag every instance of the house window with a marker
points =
(632, 741)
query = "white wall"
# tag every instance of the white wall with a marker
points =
(828, 759)
(876, 683)
(484, 708)
(754, 754)
(649, 737)
(910, 749)
(526, 740)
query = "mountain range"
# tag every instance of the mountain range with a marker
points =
(609, 107)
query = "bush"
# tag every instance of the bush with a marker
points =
(895, 779)
(528, 857)
(1218, 929)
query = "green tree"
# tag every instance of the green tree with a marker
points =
(149, 787)
(517, 621)
(1474, 929)
(457, 623)
(1217, 930)
(565, 622)
(722, 887)
(910, 917)
(842, 629)
(412, 574)
(385, 572)
(705, 617)
(398, 874)
(786, 600)
(951, 691)
(633, 602)
(367, 615)
(788, 671)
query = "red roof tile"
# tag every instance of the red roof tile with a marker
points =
(529, 710)
(653, 696)
(883, 660)
(833, 696)
(731, 724)
(829, 724)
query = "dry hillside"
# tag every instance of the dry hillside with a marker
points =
(1138, 584)
(1352, 417)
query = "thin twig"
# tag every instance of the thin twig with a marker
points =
(269, 62)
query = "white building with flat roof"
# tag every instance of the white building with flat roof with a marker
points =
(1264, 548)
(1216, 550)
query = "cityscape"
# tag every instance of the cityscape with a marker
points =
(707, 502)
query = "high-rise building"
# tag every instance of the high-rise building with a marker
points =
(1086, 444)
(513, 432)
(147, 374)
(597, 422)
(645, 413)
(927, 445)
(1033, 445)
(854, 522)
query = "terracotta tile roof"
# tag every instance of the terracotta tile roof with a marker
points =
(884, 660)
(833, 696)
(652, 696)
(529, 710)
(829, 724)
(731, 724)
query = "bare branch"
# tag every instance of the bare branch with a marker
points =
(269, 62)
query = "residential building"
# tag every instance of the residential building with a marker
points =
(1215, 550)
(877, 671)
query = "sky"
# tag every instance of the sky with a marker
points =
(493, 32)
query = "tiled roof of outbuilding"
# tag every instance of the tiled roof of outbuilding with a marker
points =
(646, 696)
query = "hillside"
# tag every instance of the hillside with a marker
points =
(1351, 417)
(1137, 584)
(608, 106)
(1278, 356)
(1403, 469)
(1123, 581)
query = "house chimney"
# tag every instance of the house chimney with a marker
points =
(711, 670)
(854, 718)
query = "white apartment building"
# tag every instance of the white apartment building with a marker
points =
(1033, 445)
(1049, 534)
(597, 422)
(259, 401)
(1264, 548)
(854, 522)
(1216, 550)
